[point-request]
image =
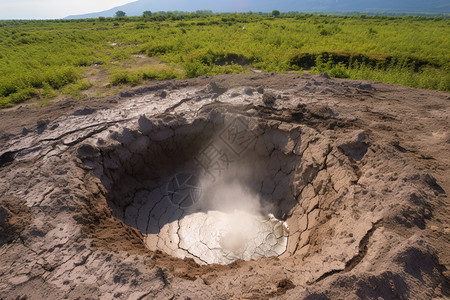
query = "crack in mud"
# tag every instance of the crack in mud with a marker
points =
(355, 260)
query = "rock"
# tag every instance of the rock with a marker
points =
(269, 98)
(127, 94)
(25, 131)
(325, 75)
(213, 88)
(145, 125)
(366, 86)
(84, 112)
(260, 90)
(162, 94)
(42, 125)
(249, 91)
(88, 152)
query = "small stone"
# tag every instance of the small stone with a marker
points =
(212, 87)
(88, 151)
(25, 131)
(84, 112)
(162, 94)
(42, 125)
(367, 87)
(434, 228)
(325, 75)
(145, 125)
(249, 91)
(125, 94)
(269, 98)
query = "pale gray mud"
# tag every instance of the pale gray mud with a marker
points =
(231, 187)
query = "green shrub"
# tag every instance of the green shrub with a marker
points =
(59, 78)
(324, 32)
(7, 88)
(339, 71)
(119, 79)
(22, 95)
(163, 74)
(51, 55)
(195, 68)
(75, 89)
(48, 92)
(159, 50)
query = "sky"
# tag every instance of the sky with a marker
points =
(53, 9)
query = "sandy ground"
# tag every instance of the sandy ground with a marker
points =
(61, 238)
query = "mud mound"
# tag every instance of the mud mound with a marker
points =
(208, 189)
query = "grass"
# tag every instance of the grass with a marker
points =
(44, 59)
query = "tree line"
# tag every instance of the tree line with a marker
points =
(147, 13)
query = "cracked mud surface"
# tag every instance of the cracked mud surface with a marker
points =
(245, 186)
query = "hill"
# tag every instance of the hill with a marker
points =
(413, 6)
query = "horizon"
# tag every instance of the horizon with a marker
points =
(61, 9)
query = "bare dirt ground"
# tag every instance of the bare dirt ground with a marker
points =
(358, 170)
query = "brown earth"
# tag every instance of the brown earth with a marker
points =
(60, 236)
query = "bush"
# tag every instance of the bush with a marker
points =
(323, 32)
(58, 79)
(50, 55)
(23, 95)
(48, 92)
(276, 13)
(339, 71)
(75, 89)
(7, 88)
(195, 68)
(135, 78)
(159, 50)
(159, 74)
(141, 26)
(119, 79)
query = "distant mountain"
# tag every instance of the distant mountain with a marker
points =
(138, 7)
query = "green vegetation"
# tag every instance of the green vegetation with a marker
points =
(120, 13)
(44, 59)
(147, 13)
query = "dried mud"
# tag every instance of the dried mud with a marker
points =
(358, 171)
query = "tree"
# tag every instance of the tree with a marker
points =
(120, 13)
(147, 13)
(204, 12)
(276, 13)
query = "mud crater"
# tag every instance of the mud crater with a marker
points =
(222, 186)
